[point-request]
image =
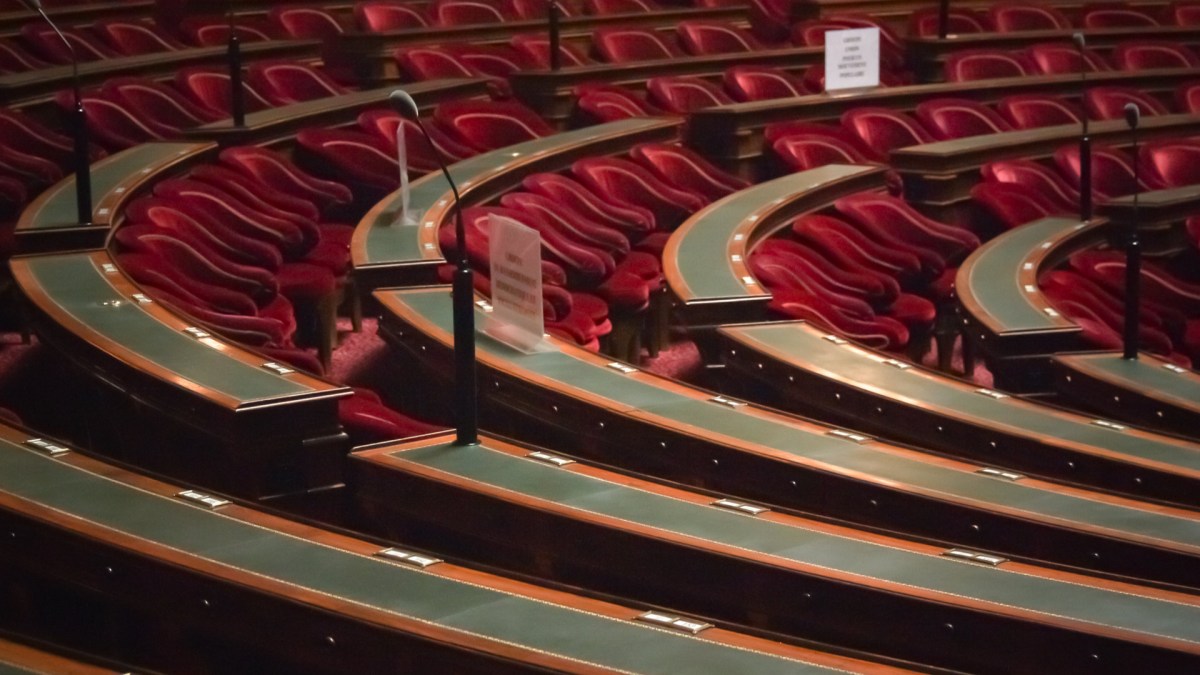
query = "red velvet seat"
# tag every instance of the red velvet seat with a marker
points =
(1114, 15)
(276, 171)
(192, 225)
(15, 59)
(984, 64)
(535, 51)
(633, 220)
(489, 125)
(468, 12)
(33, 171)
(1013, 205)
(772, 133)
(203, 200)
(284, 82)
(1059, 58)
(626, 44)
(1172, 163)
(574, 224)
(950, 118)
(852, 250)
(381, 17)
(435, 63)
(584, 264)
(367, 420)
(1112, 299)
(384, 124)
(821, 270)
(1187, 97)
(884, 129)
(251, 331)
(114, 126)
(1007, 17)
(608, 103)
(538, 10)
(1076, 302)
(685, 169)
(1147, 55)
(158, 102)
(779, 275)
(46, 44)
(1030, 111)
(1037, 178)
(1112, 170)
(601, 7)
(213, 31)
(1183, 14)
(801, 152)
(305, 23)
(497, 61)
(1108, 103)
(811, 33)
(626, 183)
(132, 38)
(878, 333)
(813, 78)
(924, 22)
(684, 94)
(22, 132)
(759, 83)
(894, 217)
(479, 253)
(148, 268)
(200, 263)
(209, 87)
(715, 37)
(363, 159)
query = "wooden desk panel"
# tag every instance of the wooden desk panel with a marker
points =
(1150, 391)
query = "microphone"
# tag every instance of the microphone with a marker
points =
(1133, 247)
(237, 97)
(80, 157)
(555, 58)
(465, 396)
(1085, 141)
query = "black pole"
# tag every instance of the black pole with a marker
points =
(1133, 251)
(943, 19)
(1085, 140)
(237, 97)
(554, 37)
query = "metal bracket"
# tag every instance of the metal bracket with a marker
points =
(1109, 425)
(200, 499)
(690, 626)
(729, 402)
(48, 447)
(547, 458)
(408, 558)
(277, 368)
(991, 394)
(740, 507)
(999, 473)
(848, 435)
(622, 368)
(975, 557)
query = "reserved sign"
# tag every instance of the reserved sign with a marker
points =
(851, 59)
(516, 274)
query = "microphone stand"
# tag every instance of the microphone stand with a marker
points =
(555, 58)
(943, 19)
(237, 97)
(1085, 140)
(80, 157)
(1133, 254)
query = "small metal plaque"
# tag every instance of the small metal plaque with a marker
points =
(1174, 368)
(1109, 425)
(201, 499)
(896, 364)
(690, 626)
(49, 447)
(142, 298)
(725, 401)
(1050, 311)
(408, 557)
(740, 507)
(991, 394)
(834, 339)
(749, 281)
(197, 333)
(848, 435)
(975, 557)
(483, 305)
(999, 473)
(108, 268)
(622, 367)
(547, 458)
(277, 368)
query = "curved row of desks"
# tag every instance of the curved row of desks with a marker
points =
(195, 562)
(20, 659)
(619, 415)
(791, 575)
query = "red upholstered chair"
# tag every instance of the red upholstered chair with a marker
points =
(436, 63)
(46, 44)
(1077, 303)
(467, 12)
(950, 118)
(608, 103)
(113, 125)
(381, 17)
(213, 31)
(814, 78)
(212, 204)
(924, 22)
(821, 270)
(1172, 163)
(305, 23)
(811, 33)
(363, 159)
(1112, 299)
(625, 44)
(368, 420)
(878, 332)
(633, 220)
(1183, 14)
(884, 129)
(1147, 54)
(801, 152)
(201, 263)
(1112, 170)
(14, 59)
(158, 102)
(985, 64)
(849, 249)
(1061, 58)
(497, 61)
(535, 50)
(894, 217)
(1108, 103)
(1030, 111)
(772, 133)
(1008, 17)
(147, 268)
(1037, 178)
(285, 82)
(1107, 268)
(687, 170)
(21, 132)
(571, 222)
(1112, 15)
(759, 83)
(626, 183)
(488, 125)
(210, 88)
(684, 94)
(191, 225)
(1011, 204)
(268, 201)
(536, 10)
(584, 264)
(780, 274)
(1187, 97)
(715, 37)
(31, 170)
(276, 171)
(133, 38)
(385, 123)
(620, 6)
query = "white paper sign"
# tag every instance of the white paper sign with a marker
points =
(406, 217)
(851, 59)
(516, 274)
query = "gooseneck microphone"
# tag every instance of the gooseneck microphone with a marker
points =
(465, 396)
(237, 96)
(80, 159)
(553, 13)
(1085, 141)
(1133, 248)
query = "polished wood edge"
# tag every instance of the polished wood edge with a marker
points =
(1083, 365)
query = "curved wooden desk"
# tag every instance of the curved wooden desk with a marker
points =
(799, 367)
(20, 659)
(1149, 392)
(386, 254)
(618, 415)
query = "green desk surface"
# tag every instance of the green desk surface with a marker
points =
(866, 370)
(387, 243)
(55, 208)
(461, 607)
(1102, 608)
(701, 249)
(997, 283)
(1146, 376)
(644, 396)
(14, 669)
(79, 288)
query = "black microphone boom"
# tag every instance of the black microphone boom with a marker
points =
(465, 396)
(1133, 248)
(237, 96)
(553, 15)
(1085, 141)
(80, 159)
